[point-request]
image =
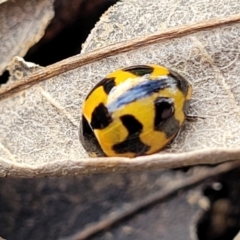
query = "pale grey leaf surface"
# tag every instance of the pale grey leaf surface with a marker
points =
(39, 125)
(22, 24)
(131, 18)
(237, 237)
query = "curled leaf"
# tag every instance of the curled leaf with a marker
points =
(40, 113)
(22, 24)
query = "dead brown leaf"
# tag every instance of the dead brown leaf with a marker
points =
(22, 24)
(40, 113)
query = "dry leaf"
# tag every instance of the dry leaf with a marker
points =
(131, 18)
(237, 237)
(40, 113)
(22, 24)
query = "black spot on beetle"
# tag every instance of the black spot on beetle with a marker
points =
(132, 143)
(106, 83)
(100, 117)
(139, 70)
(170, 127)
(164, 117)
(85, 129)
(88, 138)
(164, 109)
(182, 83)
(132, 124)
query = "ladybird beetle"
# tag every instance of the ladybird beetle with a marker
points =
(134, 111)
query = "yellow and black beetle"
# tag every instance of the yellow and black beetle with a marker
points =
(135, 110)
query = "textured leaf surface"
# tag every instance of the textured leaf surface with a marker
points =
(22, 24)
(39, 125)
(141, 18)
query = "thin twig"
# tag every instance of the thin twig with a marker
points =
(96, 55)
(157, 197)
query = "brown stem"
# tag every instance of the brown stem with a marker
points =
(83, 59)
